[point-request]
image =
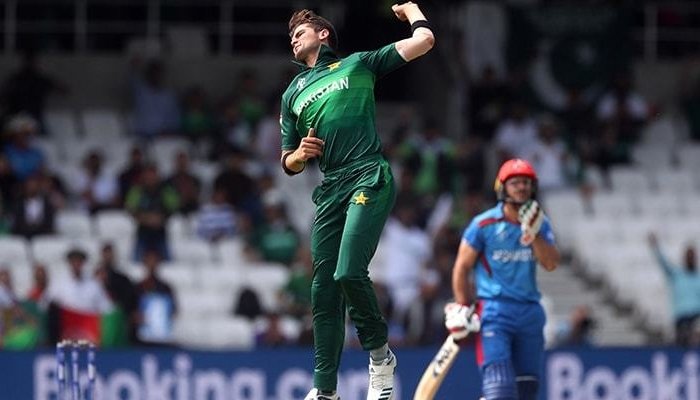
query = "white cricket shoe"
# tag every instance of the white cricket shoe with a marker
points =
(381, 379)
(314, 395)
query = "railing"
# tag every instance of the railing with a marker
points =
(669, 30)
(80, 26)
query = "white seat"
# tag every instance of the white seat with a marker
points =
(661, 205)
(674, 181)
(14, 250)
(61, 124)
(192, 251)
(689, 156)
(179, 276)
(629, 180)
(651, 156)
(163, 151)
(221, 278)
(197, 303)
(267, 279)
(230, 252)
(52, 249)
(613, 205)
(73, 224)
(114, 224)
(51, 148)
(103, 123)
(178, 227)
(231, 333)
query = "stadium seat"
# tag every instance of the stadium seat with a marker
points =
(674, 182)
(192, 251)
(267, 279)
(102, 123)
(651, 156)
(52, 150)
(689, 156)
(613, 204)
(52, 249)
(194, 302)
(163, 151)
(14, 251)
(178, 227)
(114, 224)
(73, 224)
(230, 252)
(61, 125)
(629, 180)
(180, 276)
(231, 333)
(661, 205)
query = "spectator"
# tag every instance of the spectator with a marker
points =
(241, 190)
(431, 155)
(275, 239)
(25, 159)
(18, 329)
(185, 184)
(578, 330)
(197, 123)
(684, 287)
(38, 293)
(268, 140)
(295, 297)
(119, 287)
(251, 103)
(623, 108)
(514, 134)
(129, 176)
(79, 290)
(235, 130)
(270, 332)
(549, 156)
(487, 103)
(407, 250)
(151, 203)
(157, 305)
(34, 213)
(217, 219)
(9, 184)
(27, 89)
(156, 109)
(97, 187)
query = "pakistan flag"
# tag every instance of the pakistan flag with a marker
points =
(567, 48)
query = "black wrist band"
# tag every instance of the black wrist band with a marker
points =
(284, 165)
(420, 24)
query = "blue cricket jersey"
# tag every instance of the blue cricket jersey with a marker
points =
(505, 269)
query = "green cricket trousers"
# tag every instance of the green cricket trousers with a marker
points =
(352, 205)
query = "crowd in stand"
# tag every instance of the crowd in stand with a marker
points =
(442, 180)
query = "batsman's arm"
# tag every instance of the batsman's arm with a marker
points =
(422, 39)
(461, 273)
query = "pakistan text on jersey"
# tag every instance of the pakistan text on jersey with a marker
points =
(505, 256)
(338, 84)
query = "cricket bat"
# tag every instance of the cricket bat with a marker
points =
(437, 370)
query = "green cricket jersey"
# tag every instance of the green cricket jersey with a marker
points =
(336, 98)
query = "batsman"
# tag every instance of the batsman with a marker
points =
(500, 250)
(328, 113)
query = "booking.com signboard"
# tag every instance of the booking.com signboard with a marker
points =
(610, 374)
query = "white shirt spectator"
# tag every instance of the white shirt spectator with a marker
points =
(549, 160)
(406, 250)
(104, 188)
(514, 137)
(84, 295)
(634, 104)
